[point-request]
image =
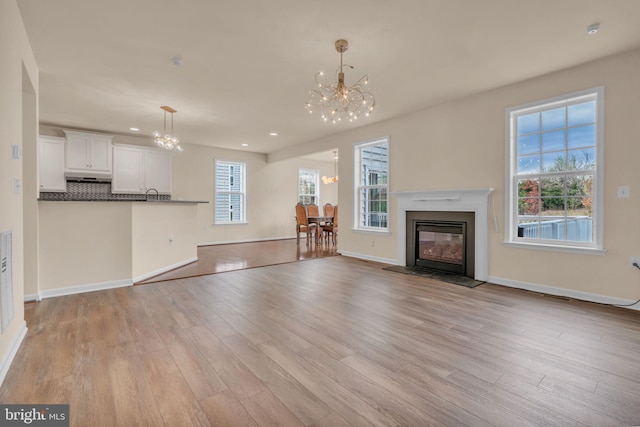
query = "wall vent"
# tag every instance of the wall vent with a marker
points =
(6, 279)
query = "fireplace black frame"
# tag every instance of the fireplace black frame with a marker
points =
(451, 227)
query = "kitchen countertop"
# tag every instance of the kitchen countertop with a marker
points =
(126, 200)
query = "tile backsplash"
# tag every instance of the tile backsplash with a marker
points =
(95, 191)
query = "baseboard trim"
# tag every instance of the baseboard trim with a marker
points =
(369, 257)
(562, 292)
(8, 359)
(72, 290)
(230, 242)
(164, 269)
(32, 297)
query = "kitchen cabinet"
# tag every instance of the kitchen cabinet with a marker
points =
(51, 160)
(88, 154)
(137, 169)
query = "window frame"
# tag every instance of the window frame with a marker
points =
(358, 186)
(596, 246)
(316, 174)
(242, 191)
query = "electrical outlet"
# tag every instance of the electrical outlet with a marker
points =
(634, 259)
(373, 243)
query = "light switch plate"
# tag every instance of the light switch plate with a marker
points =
(623, 192)
(16, 152)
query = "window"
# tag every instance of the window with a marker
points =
(230, 192)
(555, 169)
(308, 186)
(371, 185)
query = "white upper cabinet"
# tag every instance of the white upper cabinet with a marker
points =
(137, 169)
(51, 159)
(88, 154)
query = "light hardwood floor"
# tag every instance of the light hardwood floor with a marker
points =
(329, 342)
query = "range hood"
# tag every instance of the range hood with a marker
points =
(73, 177)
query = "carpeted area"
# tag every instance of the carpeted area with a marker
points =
(456, 279)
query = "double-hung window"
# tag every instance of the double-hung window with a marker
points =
(371, 180)
(230, 197)
(554, 192)
(308, 186)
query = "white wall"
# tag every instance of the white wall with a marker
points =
(17, 64)
(271, 192)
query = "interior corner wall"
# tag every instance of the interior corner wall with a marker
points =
(272, 192)
(16, 53)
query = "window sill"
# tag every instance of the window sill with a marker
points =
(556, 248)
(231, 223)
(370, 230)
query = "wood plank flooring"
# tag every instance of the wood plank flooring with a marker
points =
(239, 256)
(329, 342)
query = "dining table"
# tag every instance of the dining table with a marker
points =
(319, 220)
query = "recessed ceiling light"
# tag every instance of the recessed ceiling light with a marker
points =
(273, 134)
(245, 145)
(134, 129)
(593, 28)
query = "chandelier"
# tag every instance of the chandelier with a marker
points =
(164, 139)
(338, 102)
(333, 179)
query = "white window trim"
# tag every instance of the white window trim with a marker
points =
(244, 192)
(356, 185)
(317, 174)
(510, 239)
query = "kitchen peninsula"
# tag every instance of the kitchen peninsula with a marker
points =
(92, 245)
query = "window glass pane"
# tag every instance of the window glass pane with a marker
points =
(528, 197)
(554, 162)
(553, 141)
(552, 206)
(529, 164)
(528, 144)
(554, 119)
(581, 185)
(582, 159)
(580, 114)
(529, 123)
(582, 136)
(552, 187)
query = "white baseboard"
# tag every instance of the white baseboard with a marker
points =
(569, 293)
(13, 350)
(164, 269)
(32, 297)
(369, 257)
(71, 290)
(228, 242)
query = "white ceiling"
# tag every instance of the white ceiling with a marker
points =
(248, 65)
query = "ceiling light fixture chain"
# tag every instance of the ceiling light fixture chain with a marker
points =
(338, 102)
(332, 179)
(167, 140)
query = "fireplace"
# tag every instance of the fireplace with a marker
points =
(441, 245)
(443, 241)
(473, 207)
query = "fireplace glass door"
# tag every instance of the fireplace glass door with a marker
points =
(441, 245)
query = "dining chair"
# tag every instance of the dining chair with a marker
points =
(312, 210)
(328, 209)
(333, 227)
(302, 224)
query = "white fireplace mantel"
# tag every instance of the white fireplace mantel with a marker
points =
(465, 200)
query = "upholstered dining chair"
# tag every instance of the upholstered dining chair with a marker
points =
(302, 223)
(333, 227)
(328, 209)
(312, 210)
